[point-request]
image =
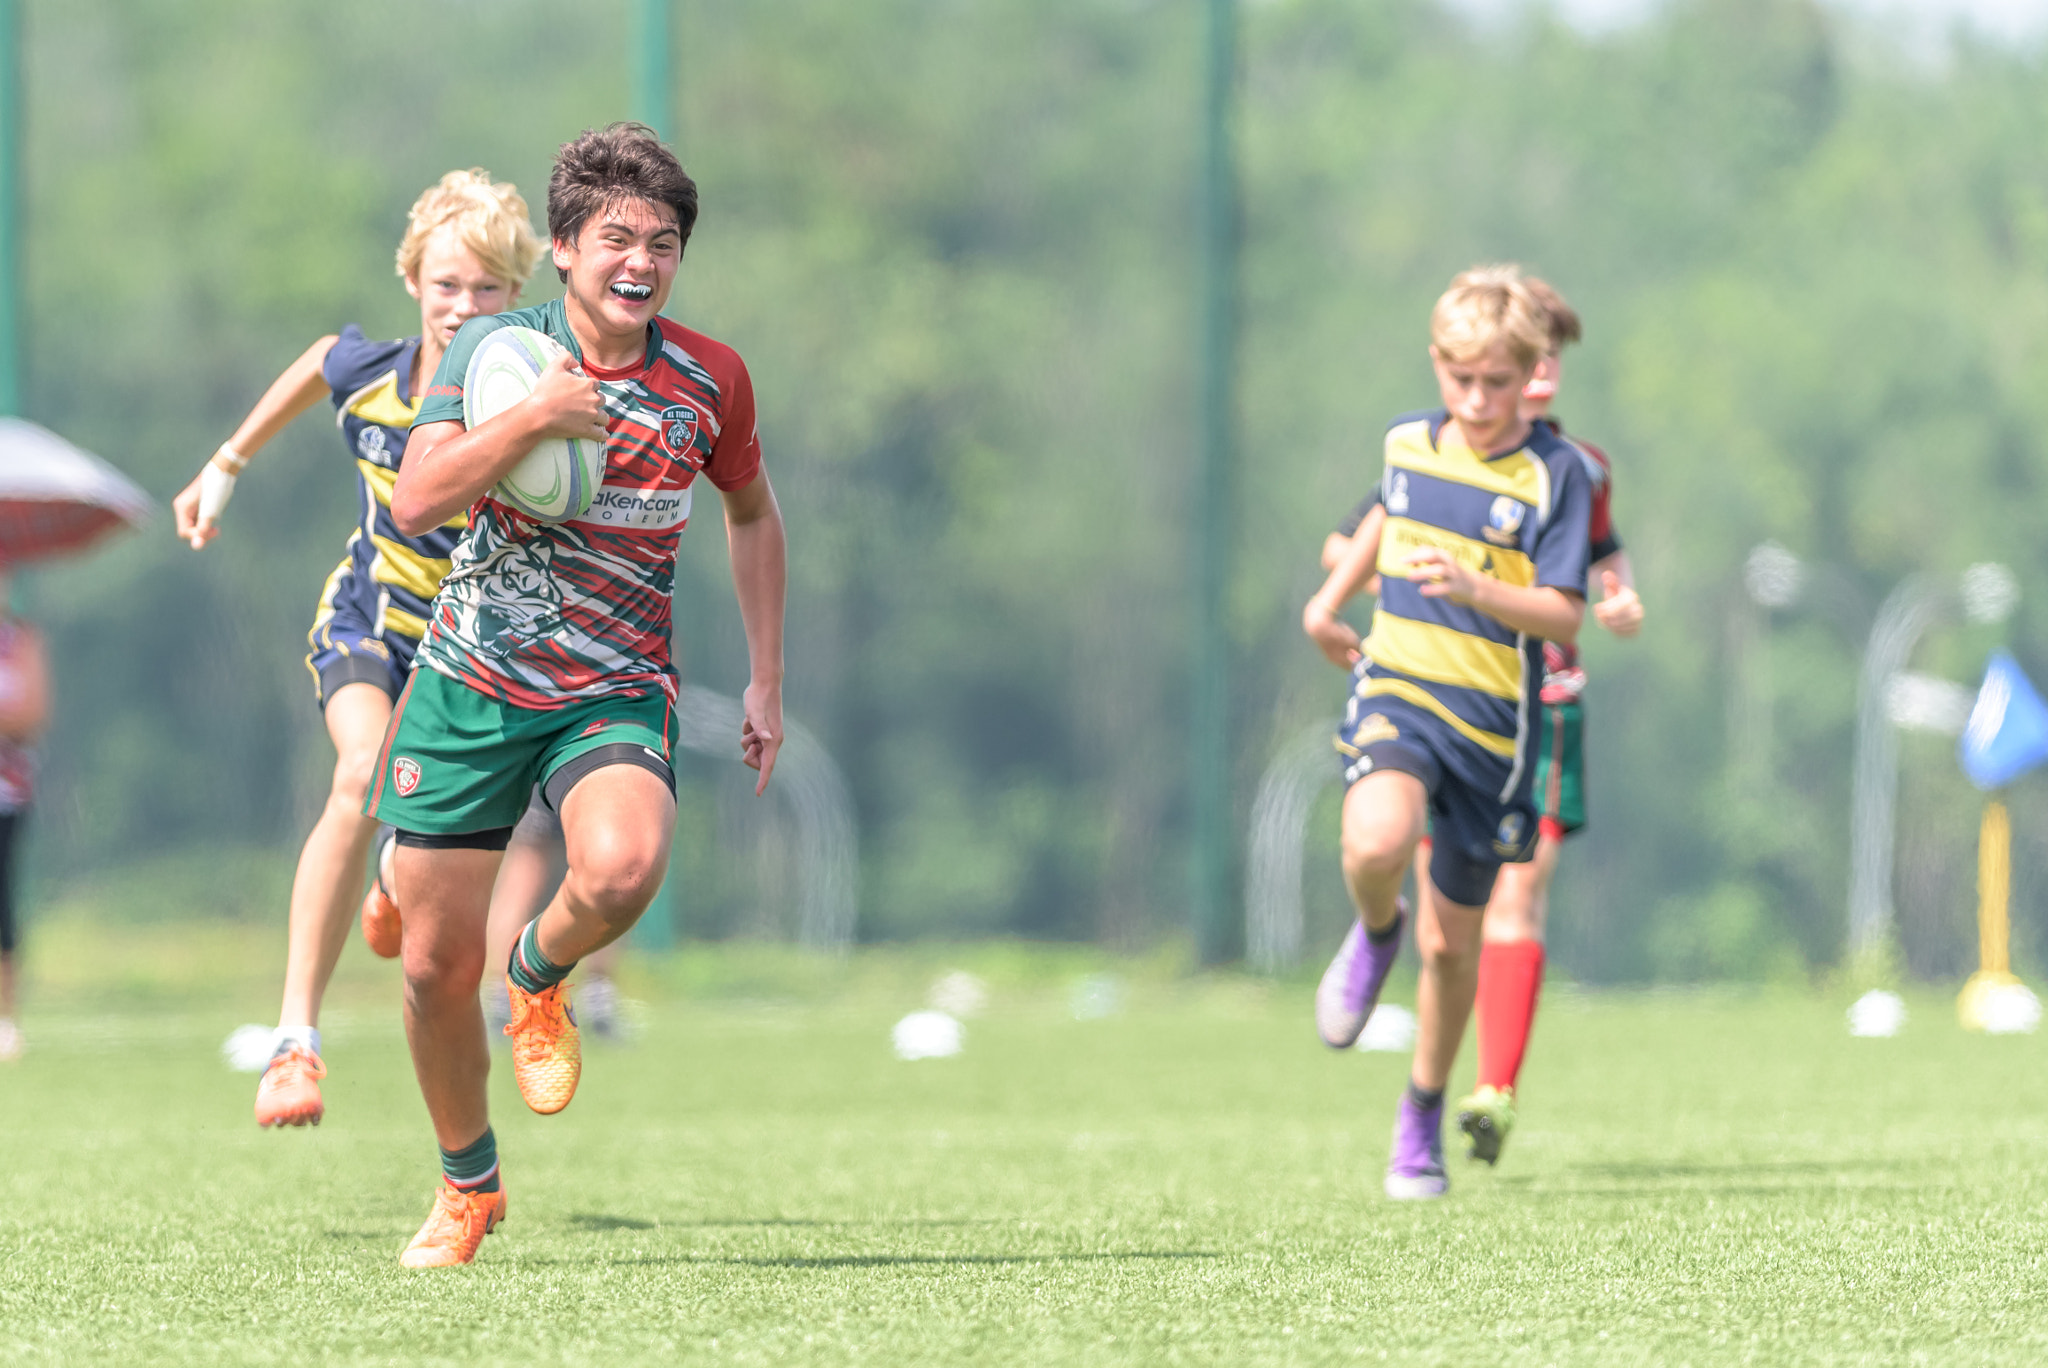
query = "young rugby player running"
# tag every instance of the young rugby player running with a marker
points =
(468, 250)
(1511, 958)
(547, 659)
(1481, 559)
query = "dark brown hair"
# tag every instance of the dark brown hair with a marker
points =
(1562, 317)
(617, 162)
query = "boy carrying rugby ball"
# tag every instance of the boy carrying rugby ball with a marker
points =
(547, 657)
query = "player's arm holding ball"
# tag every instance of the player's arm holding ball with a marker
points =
(447, 467)
(198, 506)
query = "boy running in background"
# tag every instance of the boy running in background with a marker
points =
(1482, 558)
(1511, 960)
(468, 250)
(547, 659)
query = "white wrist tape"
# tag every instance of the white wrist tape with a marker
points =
(216, 487)
(230, 460)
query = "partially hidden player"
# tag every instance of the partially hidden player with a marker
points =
(468, 250)
(1481, 559)
(1511, 959)
(24, 715)
(547, 659)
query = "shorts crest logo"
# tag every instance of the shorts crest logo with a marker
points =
(1507, 841)
(406, 771)
(679, 430)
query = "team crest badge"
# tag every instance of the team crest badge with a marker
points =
(406, 771)
(678, 429)
(1504, 520)
(1397, 494)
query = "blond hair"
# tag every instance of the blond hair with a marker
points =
(491, 219)
(1565, 327)
(1488, 305)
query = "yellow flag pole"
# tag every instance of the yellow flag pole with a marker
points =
(1994, 922)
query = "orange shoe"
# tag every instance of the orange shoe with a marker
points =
(289, 1094)
(547, 1051)
(455, 1227)
(381, 927)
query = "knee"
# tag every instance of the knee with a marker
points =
(1374, 852)
(1514, 921)
(617, 879)
(1439, 951)
(352, 775)
(439, 969)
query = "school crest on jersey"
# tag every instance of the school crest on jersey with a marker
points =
(679, 433)
(1504, 520)
(406, 771)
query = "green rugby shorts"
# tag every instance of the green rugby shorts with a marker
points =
(1561, 769)
(456, 761)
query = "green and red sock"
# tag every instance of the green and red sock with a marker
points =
(529, 968)
(474, 1167)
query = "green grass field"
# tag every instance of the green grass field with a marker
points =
(1699, 1178)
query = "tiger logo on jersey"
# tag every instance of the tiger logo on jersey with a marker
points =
(679, 434)
(521, 602)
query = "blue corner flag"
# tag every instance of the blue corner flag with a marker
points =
(2007, 734)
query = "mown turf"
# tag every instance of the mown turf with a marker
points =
(1698, 1179)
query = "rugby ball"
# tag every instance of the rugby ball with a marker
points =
(557, 479)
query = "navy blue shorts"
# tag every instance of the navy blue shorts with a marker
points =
(1474, 830)
(345, 650)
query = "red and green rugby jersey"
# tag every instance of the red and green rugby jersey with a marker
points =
(542, 614)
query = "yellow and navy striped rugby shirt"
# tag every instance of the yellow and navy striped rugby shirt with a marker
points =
(1520, 516)
(386, 579)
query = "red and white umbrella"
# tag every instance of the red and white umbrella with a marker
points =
(56, 499)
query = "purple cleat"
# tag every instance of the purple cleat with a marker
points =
(1351, 985)
(1416, 1172)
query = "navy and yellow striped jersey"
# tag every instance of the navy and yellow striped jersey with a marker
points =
(386, 580)
(1519, 516)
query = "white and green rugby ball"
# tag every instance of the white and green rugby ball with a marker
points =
(556, 480)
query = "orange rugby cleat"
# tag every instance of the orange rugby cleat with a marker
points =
(289, 1094)
(382, 929)
(455, 1227)
(547, 1051)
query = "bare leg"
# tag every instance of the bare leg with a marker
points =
(446, 896)
(1447, 934)
(618, 823)
(1384, 816)
(1519, 909)
(329, 882)
(527, 881)
(9, 985)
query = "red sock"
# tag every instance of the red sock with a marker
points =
(1510, 977)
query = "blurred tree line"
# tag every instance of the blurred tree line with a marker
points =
(956, 244)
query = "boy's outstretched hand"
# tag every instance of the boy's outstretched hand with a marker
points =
(1619, 610)
(761, 731)
(1333, 636)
